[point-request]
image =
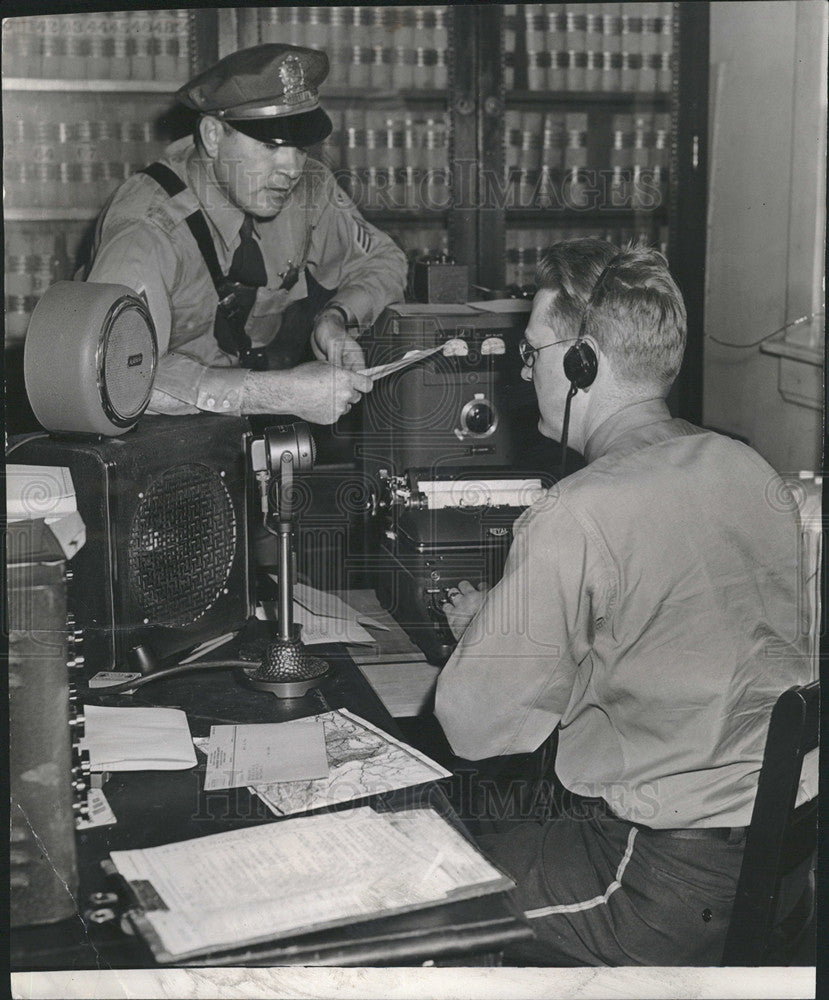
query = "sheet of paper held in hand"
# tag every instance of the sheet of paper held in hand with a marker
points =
(409, 358)
(263, 753)
(264, 882)
(362, 760)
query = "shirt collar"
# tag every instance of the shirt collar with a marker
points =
(622, 424)
(225, 217)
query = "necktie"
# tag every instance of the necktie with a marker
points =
(237, 295)
(248, 265)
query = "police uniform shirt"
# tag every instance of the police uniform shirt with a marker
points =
(142, 241)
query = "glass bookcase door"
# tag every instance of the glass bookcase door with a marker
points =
(87, 101)
(387, 96)
(587, 126)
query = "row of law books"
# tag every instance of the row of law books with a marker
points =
(368, 46)
(583, 189)
(375, 189)
(525, 246)
(389, 160)
(109, 45)
(34, 258)
(59, 164)
(388, 139)
(543, 147)
(589, 47)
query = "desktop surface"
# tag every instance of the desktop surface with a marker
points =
(158, 807)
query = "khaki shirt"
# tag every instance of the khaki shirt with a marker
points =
(142, 241)
(649, 605)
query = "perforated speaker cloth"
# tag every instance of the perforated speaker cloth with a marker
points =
(182, 545)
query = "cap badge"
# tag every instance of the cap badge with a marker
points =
(292, 76)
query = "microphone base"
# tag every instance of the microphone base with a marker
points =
(287, 669)
(282, 689)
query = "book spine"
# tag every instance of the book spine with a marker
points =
(557, 41)
(620, 161)
(641, 194)
(575, 159)
(664, 73)
(440, 77)
(316, 31)
(510, 16)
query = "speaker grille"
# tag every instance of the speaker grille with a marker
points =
(182, 545)
(128, 364)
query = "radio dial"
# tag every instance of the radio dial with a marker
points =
(478, 418)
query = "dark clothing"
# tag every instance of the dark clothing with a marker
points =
(601, 891)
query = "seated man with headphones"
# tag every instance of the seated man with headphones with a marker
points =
(648, 611)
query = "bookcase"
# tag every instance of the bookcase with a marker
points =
(483, 131)
(86, 102)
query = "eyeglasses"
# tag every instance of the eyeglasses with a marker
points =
(528, 352)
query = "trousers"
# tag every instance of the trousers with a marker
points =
(598, 890)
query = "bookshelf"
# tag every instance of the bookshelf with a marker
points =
(87, 100)
(387, 94)
(586, 119)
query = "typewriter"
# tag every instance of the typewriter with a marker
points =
(433, 533)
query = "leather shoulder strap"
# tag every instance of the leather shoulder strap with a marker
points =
(170, 181)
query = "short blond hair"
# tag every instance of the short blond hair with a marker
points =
(637, 317)
(570, 269)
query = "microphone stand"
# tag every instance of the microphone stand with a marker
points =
(287, 669)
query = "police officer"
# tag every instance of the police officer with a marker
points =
(234, 233)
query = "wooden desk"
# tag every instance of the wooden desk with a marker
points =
(155, 807)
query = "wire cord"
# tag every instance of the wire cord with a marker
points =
(768, 336)
(184, 668)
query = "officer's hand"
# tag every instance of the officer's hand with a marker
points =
(464, 602)
(331, 342)
(321, 393)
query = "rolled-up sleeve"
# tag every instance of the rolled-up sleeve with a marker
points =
(348, 253)
(511, 677)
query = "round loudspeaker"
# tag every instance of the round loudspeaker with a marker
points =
(90, 358)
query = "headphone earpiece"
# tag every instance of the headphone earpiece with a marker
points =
(581, 365)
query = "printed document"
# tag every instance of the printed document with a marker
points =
(261, 883)
(240, 755)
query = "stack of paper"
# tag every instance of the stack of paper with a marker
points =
(324, 617)
(261, 883)
(46, 491)
(395, 668)
(137, 739)
(362, 761)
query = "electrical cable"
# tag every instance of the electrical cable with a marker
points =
(566, 428)
(762, 340)
(183, 668)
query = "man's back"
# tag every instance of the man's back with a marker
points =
(649, 604)
(696, 633)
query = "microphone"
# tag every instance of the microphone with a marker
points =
(287, 669)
